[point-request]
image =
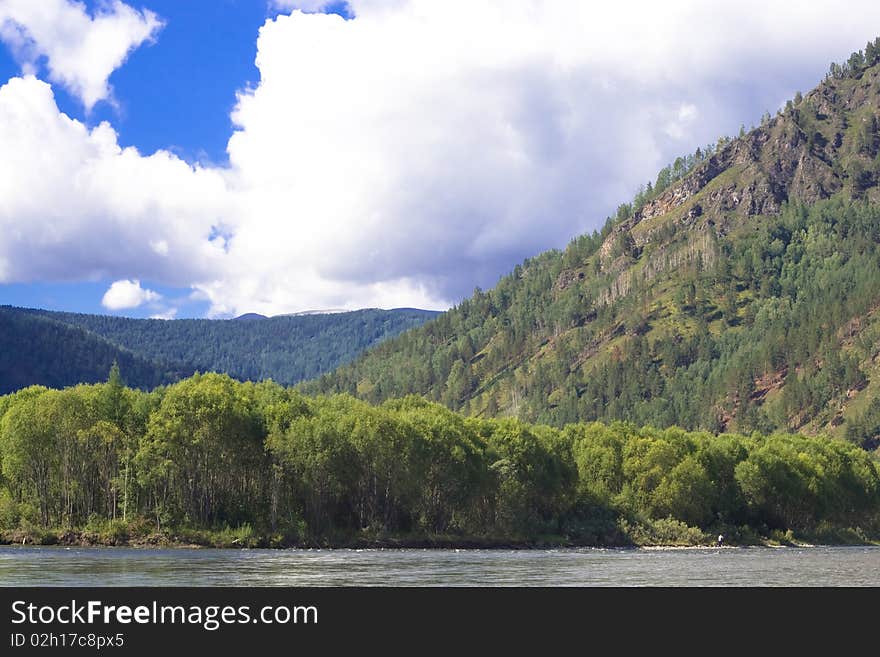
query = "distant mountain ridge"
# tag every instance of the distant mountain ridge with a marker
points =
(38, 350)
(249, 316)
(739, 291)
(57, 349)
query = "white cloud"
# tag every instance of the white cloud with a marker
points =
(81, 50)
(682, 124)
(170, 313)
(78, 206)
(405, 156)
(303, 5)
(128, 294)
(438, 142)
(160, 247)
(687, 112)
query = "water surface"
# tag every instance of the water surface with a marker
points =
(819, 566)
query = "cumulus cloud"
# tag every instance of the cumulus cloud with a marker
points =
(81, 50)
(407, 155)
(128, 294)
(428, 147)
(77, 206)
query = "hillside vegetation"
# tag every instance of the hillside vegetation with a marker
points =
(37, 350)
(59, 349)
(739, 291)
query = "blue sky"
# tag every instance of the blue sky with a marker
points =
(178, 93)
(369, 153)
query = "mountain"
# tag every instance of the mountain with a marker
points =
(57, 349)
(249, 317)
(39, 350)
(740, 291)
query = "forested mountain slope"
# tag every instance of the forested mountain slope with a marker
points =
(739, 291)
(37, 349)
(58, 349)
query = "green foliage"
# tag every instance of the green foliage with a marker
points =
(864, 430)
(202, 424)
(663, 531)
(857, 62)
(213, 461)
(9, 511)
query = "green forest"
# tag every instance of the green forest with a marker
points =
(58, 349)
(213, 461)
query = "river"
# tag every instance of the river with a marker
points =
(789, 566)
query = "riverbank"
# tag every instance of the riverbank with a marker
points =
(282, 470)
(238, 539)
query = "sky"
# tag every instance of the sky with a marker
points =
(210, 158)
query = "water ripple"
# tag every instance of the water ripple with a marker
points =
(819, 566)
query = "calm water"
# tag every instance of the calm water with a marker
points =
(838, 566)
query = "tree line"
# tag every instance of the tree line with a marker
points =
(857, 62)
(275, 467)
